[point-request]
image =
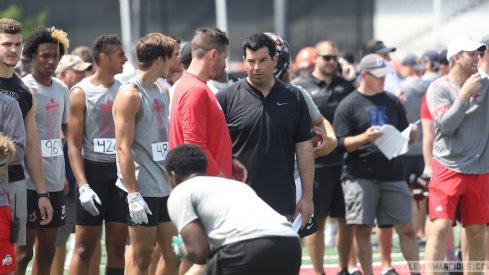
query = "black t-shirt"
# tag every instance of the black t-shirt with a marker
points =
(355, 114)
(326, 97)
(264, 131)
(15, 88)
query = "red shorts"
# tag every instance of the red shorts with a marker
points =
(449, 189)
(7, 254)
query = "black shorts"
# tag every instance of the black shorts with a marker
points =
(34, 215)
(261, 256)
(158, 207)
(102, 176)
(412, 165)
(327, 192)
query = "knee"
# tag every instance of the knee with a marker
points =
(143, 258)
(406, 230)
(84, 251)
(476, 235)
(439, 228)
(116, 250)
(23, 255)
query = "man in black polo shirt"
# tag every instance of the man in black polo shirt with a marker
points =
(269, 121)
(327, 89)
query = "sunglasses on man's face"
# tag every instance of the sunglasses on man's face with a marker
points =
(329, 57)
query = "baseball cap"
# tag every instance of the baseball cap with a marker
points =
(485, 40)
(374, 46)
(463, 43)
(433, 56)
(443, 57)
(412, 60)
(72, 62)
(374, 64)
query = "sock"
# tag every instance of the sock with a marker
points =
(114, 271)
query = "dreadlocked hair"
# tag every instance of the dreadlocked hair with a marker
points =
(7, 148)
(45, 35)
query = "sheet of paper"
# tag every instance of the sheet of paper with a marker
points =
(392, 142)
(296, 224)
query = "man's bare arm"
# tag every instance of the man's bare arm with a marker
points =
(126, 106)
(33, 162)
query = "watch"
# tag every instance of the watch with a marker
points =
(43, 195)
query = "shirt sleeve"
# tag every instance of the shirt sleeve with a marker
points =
(425, 112)
(304, 127)
(403, 122)
(313, 109)
(13, 127)
(180, 207)
(193, 117)
(341, 124)
(66, 99)
(447, 113)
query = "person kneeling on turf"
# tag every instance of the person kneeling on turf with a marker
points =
(224, 223)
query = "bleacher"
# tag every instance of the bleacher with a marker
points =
(410, 26)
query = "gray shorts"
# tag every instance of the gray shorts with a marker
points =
(388, 201)
(69, 227)
(18, 204)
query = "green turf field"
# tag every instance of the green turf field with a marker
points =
(330, 256)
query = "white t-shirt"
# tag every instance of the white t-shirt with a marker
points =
(230, 211)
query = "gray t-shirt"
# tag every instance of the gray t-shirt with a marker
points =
(230, 211)
(150, 144)
(313, 113)
(414, 91)
(11, 125)
(99, 135)
(461, 135)
(52, 111)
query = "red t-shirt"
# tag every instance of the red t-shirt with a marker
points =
(425, 112)
(196, 117)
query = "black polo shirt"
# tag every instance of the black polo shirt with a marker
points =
(264, 131)
(327, 98)
(15, 88)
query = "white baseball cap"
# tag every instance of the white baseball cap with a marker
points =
(463, 43)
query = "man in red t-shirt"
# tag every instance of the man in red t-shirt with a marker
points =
(195, 115)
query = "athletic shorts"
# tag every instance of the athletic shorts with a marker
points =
(7, 254)
(327, 192)
(34, 215)
(447, 188)
(102, 176)
(69, 227)
(388, 201)
(261, 256)
(18, 206)
(159, 210)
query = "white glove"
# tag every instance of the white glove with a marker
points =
(138, 208)
(88, 198)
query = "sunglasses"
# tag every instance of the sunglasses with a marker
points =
(329, 57)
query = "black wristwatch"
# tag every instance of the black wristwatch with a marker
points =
(43, 195)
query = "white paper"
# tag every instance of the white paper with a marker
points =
(392, 142)
(296, 224)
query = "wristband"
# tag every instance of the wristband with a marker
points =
(43, 195)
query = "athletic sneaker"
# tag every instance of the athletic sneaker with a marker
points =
(390, 271)
(345, 271)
